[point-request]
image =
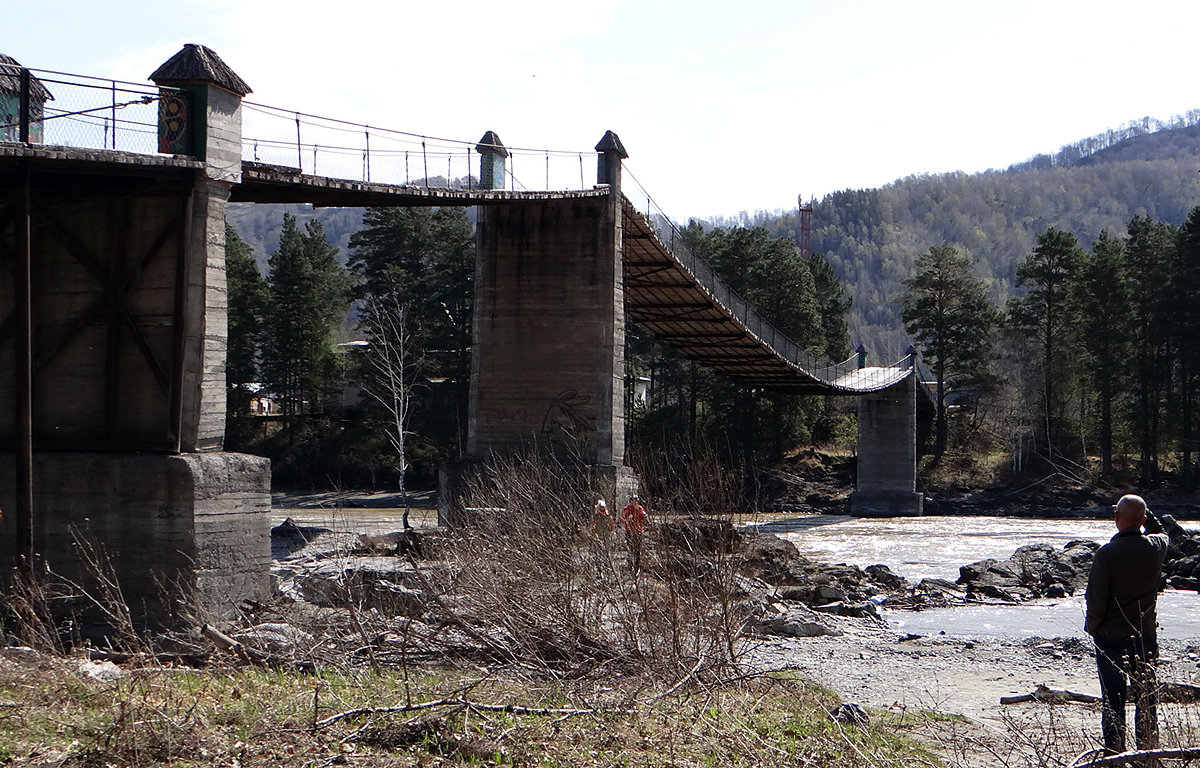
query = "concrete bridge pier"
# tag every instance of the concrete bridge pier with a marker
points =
(887, 453)
(113, 426)
(548, 359)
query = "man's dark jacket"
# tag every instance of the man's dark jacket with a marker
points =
(1123, 586)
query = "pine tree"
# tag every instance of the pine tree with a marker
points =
(1102, 297)
(833, 304)
(1186, 301)
(309, 297)
(1046, 314)
(247, 304)
(1149, 259)
(423, 259)
(948, 312)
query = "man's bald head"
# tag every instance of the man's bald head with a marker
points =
(1130, 512)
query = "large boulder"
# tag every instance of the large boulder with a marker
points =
(1034, 570)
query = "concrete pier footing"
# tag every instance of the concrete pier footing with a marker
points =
(887, 454)
(184, 537)
(116, 420)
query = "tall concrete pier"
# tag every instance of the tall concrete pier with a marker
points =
(887, 453)
(548, 352)
(115, 418)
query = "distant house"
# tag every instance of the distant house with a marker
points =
(262, 402)
(10, 102)
(641, 390)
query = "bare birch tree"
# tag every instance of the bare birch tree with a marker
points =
(391, 373)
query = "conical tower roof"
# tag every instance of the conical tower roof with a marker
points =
(612, 143)
(10, 81)
(196, 64)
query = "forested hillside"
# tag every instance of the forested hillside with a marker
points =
(260, 226)
(871, 237)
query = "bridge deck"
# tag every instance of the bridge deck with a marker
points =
(679, 299)
(263, 183)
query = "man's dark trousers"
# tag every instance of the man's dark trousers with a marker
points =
(1132, 657)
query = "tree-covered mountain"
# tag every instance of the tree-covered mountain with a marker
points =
(872, 237)
(260, 225)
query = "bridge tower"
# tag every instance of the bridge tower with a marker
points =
(886, 485)
(548, 347)
(112, 429)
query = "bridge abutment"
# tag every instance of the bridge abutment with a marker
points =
(887, 453)
(128, 302)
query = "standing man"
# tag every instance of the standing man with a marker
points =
(634, 518)
(602, 522)
(1121, 595)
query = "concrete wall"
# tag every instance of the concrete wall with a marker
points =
(192, 526)
(887, 453)
(549, 336)
(94, 382)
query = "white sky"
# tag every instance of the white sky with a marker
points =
(724, 107)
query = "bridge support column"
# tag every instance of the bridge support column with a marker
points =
(129, 311)
(887, 454)
(548, 360)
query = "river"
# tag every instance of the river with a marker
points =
(923, 547)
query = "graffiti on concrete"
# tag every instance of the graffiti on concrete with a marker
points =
(569, 418)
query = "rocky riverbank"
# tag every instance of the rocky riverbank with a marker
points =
(824, 621)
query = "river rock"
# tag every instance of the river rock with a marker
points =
(941, 586)
(850, 714)
(273, 637)
(867, 610)
(386, 583)
(795, 621)
(1034, 570)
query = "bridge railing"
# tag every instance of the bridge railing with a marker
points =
(851, 370)
(323, 146)
(61, 109)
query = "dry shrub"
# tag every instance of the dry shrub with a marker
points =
(51, 612)
(28, 613)
(529, 570)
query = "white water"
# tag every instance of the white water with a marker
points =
(921, 547)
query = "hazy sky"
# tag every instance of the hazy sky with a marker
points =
(723, 106)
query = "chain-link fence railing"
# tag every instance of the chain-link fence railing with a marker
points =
(68, 110)
(323, 146)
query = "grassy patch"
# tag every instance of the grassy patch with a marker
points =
(53, 714)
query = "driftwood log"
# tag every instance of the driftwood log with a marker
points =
(1171, 693)
(247, 654)
(1042, 693)
(1095, 759)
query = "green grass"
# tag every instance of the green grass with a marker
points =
(49, 713)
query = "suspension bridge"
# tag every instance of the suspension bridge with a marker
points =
(112, 199)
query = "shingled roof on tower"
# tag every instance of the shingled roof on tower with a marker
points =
(10, 80)
(199, 64)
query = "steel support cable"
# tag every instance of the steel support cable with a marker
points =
(357, 127)
(104, 80)
(56, 115)
(741, 314)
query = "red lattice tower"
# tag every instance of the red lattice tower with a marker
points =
(806, 210)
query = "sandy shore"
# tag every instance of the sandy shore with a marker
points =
(875, 666)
